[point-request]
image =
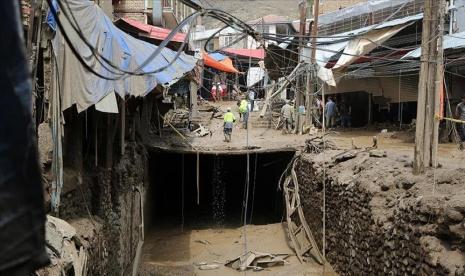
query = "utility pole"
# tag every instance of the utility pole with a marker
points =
(315, 14)
(298, 95)
(427, 126)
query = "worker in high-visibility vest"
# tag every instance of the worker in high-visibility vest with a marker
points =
(229, 120)
(244, 111)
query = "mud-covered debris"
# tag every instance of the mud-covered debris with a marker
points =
(378, 153)
(203, 242)
(257, 261)
(209, 267)
(384, 187)
(345, 156)
(454, 215)
(56, 231)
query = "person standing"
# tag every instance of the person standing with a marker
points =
(219, 91)
(330, 113)
(252, 100)
(460, 114)
(287, 116)
(229, 120)
(345, 110)
(244, 111)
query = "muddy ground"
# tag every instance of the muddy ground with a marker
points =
(173, 252)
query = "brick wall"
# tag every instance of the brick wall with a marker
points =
(133, 9)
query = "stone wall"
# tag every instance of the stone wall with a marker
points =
(118, 203)
(380, 219)
(112, 197)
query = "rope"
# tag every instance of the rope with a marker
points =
(253, 189)
(324, 181)
(440, 118)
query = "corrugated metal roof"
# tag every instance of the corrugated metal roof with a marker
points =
(150, 31)
(350, 34)
(454, 41)
(253, 53)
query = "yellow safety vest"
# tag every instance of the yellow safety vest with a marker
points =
(244, 106)
(229, 117)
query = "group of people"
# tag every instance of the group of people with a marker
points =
(246, 105)
(334, 114)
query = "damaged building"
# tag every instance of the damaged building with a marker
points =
(129, 104)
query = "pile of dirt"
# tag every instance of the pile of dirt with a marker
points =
(382, 219)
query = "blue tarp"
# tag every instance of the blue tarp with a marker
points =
(217, 56)
(81, 87)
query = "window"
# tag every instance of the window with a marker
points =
(228, 40)
(211, 46)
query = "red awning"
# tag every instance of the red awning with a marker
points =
(253, 53)
(224, 65)
(150, 31)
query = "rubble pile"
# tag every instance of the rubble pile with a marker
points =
(380, 219)
(71, 247)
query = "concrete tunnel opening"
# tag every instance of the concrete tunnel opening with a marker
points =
(172, 193)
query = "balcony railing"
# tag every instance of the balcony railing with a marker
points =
(168, 4)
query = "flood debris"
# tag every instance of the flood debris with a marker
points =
(257, 261)
(318, 145)
(64, 249)
(209, 266)
(202, 131)
(299, 232)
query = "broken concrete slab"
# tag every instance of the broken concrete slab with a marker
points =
(56, 231)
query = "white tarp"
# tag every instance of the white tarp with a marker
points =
(83, 88)
(254, 75)
(366, 43)
(327, 76)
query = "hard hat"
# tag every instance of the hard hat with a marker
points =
(228, 109)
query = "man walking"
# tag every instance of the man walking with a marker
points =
(252, 99)
(330, 112)
(244, 111)
(460, 114)
(287, 116)
(229, 120)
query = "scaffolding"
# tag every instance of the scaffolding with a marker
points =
(366, 14)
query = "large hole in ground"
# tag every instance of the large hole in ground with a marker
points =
(172, 195)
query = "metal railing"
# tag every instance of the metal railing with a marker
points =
(167, 4)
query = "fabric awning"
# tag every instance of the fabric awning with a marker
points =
(149, 31)
(253, 53)
(224, 65)
(83, 88)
